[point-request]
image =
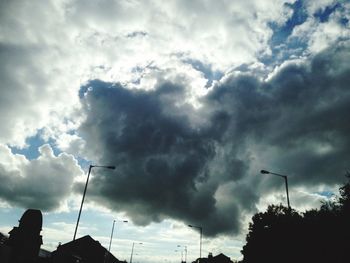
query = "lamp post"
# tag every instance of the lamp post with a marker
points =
(200, 240)
(132, 250)
(285, 180)
(185, 251)
(86, 184)
(110, 241)
(182, 255)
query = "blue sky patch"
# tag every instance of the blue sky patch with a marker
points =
(281, 46)
(327, 194)
(344, 21)
(281, 33)
(323, 15)
(31, 152)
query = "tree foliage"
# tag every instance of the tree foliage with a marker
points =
(284, 235)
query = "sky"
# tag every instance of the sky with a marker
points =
(188, 99)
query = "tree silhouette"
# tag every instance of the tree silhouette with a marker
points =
(270, 235)
(344, 199)
(284, 235)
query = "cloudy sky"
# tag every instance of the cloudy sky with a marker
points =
(188, 99)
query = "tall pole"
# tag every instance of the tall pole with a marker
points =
(200, 239)
(132, 250)
(200, 244)
(182, 255)
(185, 249)
(110, 241)
(285, 177)
(82, 201)
(286, 181)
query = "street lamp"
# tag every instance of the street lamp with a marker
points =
(132, 250)
(200, 240)
(185, 251)
(110, 241)
(86, 184)
(182, 255)
(285, 180)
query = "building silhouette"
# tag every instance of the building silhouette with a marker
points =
(24, 241)
(220, 258)
(82, 250)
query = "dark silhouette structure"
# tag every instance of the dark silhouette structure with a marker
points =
(284, 235)
(24, 242)
(220, 258)
(84, 249)
(3, 238)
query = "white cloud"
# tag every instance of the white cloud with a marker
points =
(71, 143)
(314, 6)
(47, 56)
(42, 183)
(321, 35)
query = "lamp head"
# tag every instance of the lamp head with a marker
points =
(264, 172)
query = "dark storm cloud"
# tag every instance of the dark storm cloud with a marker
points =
(162, 159)
(311, 132)
(199, 165)
(299, 116)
